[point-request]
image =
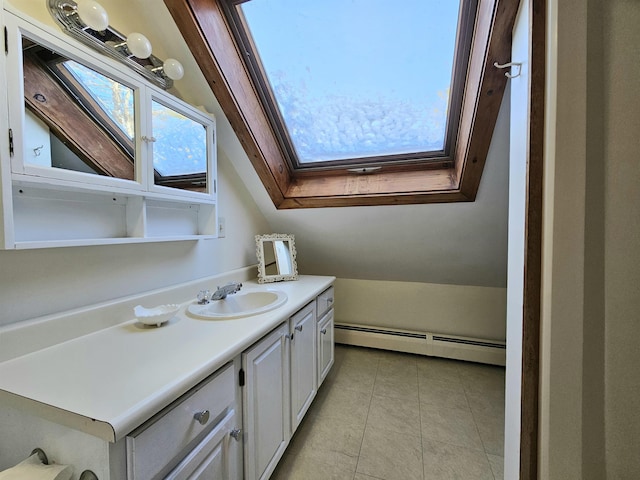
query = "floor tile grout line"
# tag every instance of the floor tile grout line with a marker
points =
(367, 419)
(424, 473)
(475, 422)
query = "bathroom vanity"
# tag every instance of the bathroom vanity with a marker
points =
(193, 398)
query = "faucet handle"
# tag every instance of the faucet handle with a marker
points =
(203, 296)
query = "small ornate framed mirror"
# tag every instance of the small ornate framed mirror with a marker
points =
(276, 254)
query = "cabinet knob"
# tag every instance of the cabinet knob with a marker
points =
(323, 331)
(236, 433)
(299, 328)
(202, 417)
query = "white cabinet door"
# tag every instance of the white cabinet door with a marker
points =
(212, 459)
(266, 403)
(303, 363)
(325, 346)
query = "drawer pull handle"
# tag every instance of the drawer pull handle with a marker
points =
(202, 417)
(290, 336)
(236, 433)
(330, 300)
(299, 328)
(323, 331)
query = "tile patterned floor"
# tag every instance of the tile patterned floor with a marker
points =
(391, 416)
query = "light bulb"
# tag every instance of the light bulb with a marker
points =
(173, 69)
(93, 15)
(139, 45)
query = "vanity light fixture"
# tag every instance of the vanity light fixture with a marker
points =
(93, 15)
(136, 44)
(88, 22)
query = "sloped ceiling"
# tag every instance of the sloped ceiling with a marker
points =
(454, 243)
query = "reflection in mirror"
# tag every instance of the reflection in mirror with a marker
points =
(179, 150)
(76, 118)
(276, 258)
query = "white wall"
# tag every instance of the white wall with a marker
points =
(451, 243)
(439, 268)
(38, 282)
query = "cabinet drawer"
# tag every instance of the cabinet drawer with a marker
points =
(324, 302)
(157, 444)
(211, 458)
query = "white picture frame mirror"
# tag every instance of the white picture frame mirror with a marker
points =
(276, 254)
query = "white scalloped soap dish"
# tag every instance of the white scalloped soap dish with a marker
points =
(157, 315)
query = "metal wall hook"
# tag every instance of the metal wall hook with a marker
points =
(36, 151)
(509, 65)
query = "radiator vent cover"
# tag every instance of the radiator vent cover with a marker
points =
(423, 343)
(383, 331)
(468, 341)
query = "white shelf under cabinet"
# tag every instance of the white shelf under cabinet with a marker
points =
(45, 217)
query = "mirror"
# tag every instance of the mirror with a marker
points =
(179, 149)
(76, 118)
(79, 119)
(276, 258)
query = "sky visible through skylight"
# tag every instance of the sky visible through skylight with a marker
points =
(358, 78)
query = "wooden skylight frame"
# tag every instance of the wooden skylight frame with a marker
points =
(208, 35)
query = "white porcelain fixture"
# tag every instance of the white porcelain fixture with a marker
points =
(239, 305)
(157, 315)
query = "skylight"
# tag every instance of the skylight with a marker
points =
(217, 35)
(354, 82)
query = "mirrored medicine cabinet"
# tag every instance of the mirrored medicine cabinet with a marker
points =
(98, 150)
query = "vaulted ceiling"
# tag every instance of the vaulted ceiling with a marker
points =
(456, 243)
(208, 34)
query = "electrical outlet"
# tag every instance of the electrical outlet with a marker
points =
(222, 229)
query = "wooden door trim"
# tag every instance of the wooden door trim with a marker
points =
(530, 386)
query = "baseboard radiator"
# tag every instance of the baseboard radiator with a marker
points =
(422, 343)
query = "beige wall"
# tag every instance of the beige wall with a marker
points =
(621, 71)
(563, 244)
(590, 421)
(449, 309)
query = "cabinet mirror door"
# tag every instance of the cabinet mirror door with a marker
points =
(76, 118)
(180, 156)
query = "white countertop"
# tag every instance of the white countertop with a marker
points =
(108, 382)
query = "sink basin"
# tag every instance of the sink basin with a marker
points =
(239, 305)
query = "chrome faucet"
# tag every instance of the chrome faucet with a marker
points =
(228, 289)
